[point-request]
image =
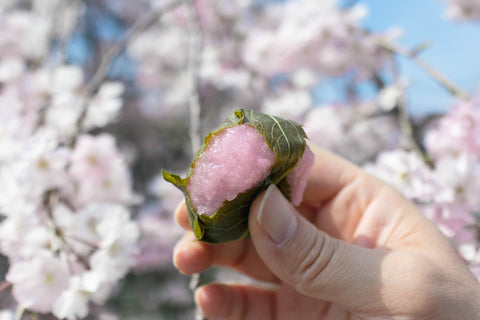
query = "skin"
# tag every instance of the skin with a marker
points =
(357, 250)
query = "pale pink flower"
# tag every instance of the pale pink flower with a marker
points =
(459, 180)
(260, 53)
(324, 125)
(456, 132)
(470, 252)
(116, 229)
(315, 34)
(290, 104)
(11, 69)
(63, 113)
(66, 78)
(452, 220)
(80, 227)
(43, 163)
(93, 156)
(105, 105)
(169, 196)
(406, 172)
(22, 234)
(38, 283)
(155, 248)
(119, 236)
(73, 302)
(389, 97)
(24, 34)
(7, 315)
(366, 137)
(304, 79)
(113, 185)
(463, 10)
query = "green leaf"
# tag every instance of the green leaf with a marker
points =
(286, 138)
(287, 141)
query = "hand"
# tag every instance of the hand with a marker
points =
(355, 249)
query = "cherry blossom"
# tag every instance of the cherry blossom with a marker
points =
(463, 9)
(457, 132)
(73, 302)
(71, 224)
(38, 282)
(406, 172)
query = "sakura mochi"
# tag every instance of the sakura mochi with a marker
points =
(236, 163)
(235, 160)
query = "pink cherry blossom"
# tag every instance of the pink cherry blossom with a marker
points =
(406, 172)
(37, 283)
(459, 180)
(93, 157)
(463, 9)
(457, 132)
(73, 302)
(158, 234)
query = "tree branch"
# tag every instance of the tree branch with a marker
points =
(407, 130)
(194, 61)
(435, 74)
(141, 25)
(5, 285)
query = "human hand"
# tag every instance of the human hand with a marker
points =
(355, 249)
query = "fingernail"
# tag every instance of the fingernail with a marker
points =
(276, 216)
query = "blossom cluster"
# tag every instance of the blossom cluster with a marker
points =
(317, 35)
(66, 226)
(64, 194)
(463, 9)
(358, 131)
(245, 45)
(446, 191)
(66, 186)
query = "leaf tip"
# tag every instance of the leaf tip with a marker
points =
(174, 179)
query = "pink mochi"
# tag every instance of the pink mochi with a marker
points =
(298, 177)
(235, 160)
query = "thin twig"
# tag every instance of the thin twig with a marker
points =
(50, 200)
(407, 131)
(5, 285)
(195, 283)
(130, 36)
(59, 19)
(194, 61)
(78, 6)
(434, 73)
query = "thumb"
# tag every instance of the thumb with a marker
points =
(309, 260)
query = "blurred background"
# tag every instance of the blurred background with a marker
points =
(363, 77)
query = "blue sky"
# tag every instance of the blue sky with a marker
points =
(455, 49)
